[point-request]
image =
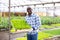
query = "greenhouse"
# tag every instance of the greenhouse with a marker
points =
(14, 21)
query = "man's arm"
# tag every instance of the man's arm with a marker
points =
(38, 22)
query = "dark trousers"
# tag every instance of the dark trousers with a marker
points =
(33, 35)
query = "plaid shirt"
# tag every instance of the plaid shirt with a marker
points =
(33, 20)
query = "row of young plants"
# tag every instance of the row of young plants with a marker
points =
(44, 34)
(20, 23)
(50, 20)
(50, 26)
(3, 23)
(54, 32)
(47, 22)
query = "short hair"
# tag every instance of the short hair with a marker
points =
(28, 8)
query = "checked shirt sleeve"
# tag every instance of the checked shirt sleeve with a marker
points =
(37, 22)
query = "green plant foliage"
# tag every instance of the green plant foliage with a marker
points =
(41, 36)
(44, 34)
(13, 30)
(53, 32)
(0, 19)
(22, 38)
(47, 22)
(46, 26)
(20, 24)
(50, 20)
(4, 23)
(55, 25)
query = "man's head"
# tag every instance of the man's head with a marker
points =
(29, 10)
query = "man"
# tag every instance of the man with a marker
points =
(32, 19)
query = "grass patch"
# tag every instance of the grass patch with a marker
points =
(46, 26)
(53, 32)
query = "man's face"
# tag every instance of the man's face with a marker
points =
(29, 11)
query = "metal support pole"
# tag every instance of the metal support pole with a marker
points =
(54, 9)
(34, 8)
(47, 9)
(9, 18)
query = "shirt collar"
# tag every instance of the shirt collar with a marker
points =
(30, 15)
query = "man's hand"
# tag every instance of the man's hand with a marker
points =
(33, 28)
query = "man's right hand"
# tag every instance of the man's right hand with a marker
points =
(33, 28)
